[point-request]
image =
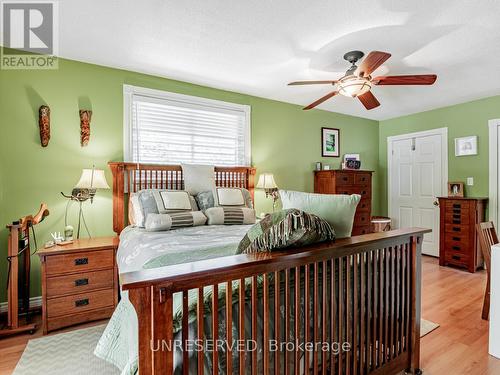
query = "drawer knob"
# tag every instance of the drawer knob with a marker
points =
(81, 302)
(455, 238)
(456, 247)
(82, 282)
(344, 178)
(456, 221)
(81, 261)
(456, 205)
(456, 257)
(456, 229)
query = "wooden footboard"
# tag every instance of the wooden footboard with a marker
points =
(363, 294)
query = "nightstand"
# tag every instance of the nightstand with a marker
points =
(79, 282)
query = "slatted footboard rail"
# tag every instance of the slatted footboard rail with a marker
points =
(350, 307)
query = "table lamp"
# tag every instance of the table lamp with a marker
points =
(266, 182)
(86, 188)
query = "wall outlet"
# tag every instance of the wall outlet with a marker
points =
(470, 181)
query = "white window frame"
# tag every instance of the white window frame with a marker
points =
(129, 91)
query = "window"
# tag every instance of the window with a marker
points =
(167, 128)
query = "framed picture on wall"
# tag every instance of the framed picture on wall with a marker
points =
(330, 142)
(466, 146)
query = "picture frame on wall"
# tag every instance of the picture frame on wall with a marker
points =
(330, 142)
(456, 189)
(465, 146)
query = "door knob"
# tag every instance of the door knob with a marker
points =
(436, 203)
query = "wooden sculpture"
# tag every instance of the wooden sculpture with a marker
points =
(44, 124)
(19, 252)
(85, 117)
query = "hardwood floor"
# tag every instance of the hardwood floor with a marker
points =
(451, 297)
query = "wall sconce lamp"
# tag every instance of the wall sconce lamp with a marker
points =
(85, 189)
(266, 182)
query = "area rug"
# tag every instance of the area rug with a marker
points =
(70, 353)
(426, 326)
(73, 353)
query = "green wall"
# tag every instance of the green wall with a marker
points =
(461, 120)
(285, 141)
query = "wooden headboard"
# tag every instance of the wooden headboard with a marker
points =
(132, 177)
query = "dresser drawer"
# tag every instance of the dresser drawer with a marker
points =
(78, 283)
(79, 302)
(458, 259)
(364, 205)
(79, 262)
(457, 248)
(365, 191)
(458, 238)
(457, 216)
(456, 205)
(359, 230)
(362, 178)
(344, 178)
(456, 228)
(361, 218)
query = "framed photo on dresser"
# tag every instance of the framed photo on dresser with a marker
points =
(330, 142)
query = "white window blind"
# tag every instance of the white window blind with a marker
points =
(170, 128)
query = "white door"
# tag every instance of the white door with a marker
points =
(416, 181)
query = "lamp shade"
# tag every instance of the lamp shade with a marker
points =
(266, 181)
(92, 179)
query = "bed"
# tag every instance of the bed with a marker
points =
(363, 291)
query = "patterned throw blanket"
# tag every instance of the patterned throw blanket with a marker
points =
(284, 229)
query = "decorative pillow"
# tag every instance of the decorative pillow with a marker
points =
(230, 215)
(160, 222)
(135, 216)
(206, 199)
(150, 201)
(198, 178)
(284, 229)
(171, 200)
(337, 209)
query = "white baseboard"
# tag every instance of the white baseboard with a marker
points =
(34, 302)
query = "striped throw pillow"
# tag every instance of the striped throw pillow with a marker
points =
(230, 215)
(161, 222)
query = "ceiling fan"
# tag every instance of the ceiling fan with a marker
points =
(358, 82)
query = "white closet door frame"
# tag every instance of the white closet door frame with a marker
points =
(443, 132)
(494, 130)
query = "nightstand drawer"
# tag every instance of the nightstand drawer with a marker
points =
(79, 302)
(78, 283)
(79, 262)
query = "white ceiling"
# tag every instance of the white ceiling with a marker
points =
(257, 47)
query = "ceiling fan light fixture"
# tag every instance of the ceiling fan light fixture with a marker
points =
(353, 86)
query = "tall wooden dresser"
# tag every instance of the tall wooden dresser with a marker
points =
(337, 181)
(459, 243)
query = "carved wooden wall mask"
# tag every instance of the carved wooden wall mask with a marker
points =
(85, 117)
(44, 124)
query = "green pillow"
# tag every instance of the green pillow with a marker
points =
(337, 209)
(284, 229)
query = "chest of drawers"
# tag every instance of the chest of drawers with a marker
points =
(349, 182)
(459, 244)
(79, 282)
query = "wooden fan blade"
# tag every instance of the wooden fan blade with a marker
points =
(369, 100)
(414, 79)
(371, 62)
(321, 100)
(296, 83)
